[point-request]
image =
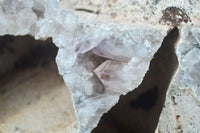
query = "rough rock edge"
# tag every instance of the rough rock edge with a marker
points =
(42, 19)
(36, 26)
(189, 36)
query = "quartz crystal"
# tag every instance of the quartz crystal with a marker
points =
(97, 80)
(101, 60)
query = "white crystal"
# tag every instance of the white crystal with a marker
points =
(121, 77)
(79, 72)
(89, 48)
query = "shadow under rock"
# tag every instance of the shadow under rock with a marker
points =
(30, 61)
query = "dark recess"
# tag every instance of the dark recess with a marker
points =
(4, 44)
(87, 10)
(150, 95)
(33, 53)
(139, 110)
(42, 54)
(39, 52)
(24, 52)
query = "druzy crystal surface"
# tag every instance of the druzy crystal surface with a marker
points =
(101, 60)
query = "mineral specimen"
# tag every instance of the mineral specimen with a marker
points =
(139, 110)
(96, 84)
(102, 59)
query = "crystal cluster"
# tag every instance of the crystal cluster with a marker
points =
(100, 60)
(99, 71)
(188, 76)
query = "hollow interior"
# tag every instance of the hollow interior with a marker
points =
(138, 111)
(33, 96)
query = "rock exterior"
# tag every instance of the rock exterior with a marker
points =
(181, 110)
(106, 51)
